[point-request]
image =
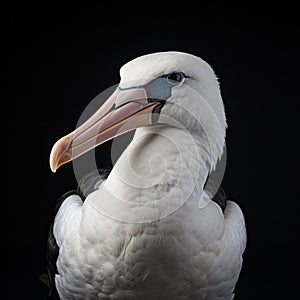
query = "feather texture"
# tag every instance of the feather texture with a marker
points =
(86, 185)
(151, 230)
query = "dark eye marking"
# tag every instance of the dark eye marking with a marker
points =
(175, 78)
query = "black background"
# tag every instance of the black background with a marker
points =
(59, 58)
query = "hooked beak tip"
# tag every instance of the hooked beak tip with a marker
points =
(58, 155)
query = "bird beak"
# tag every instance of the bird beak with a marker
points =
(123, 111)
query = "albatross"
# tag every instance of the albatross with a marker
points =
(149, 229)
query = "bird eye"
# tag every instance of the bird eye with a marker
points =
(175, 78)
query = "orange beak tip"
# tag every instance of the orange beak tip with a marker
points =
(58, 153)
(52, 163)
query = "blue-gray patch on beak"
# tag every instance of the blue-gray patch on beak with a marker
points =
(160, 89)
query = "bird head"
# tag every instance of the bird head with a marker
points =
(162, 88)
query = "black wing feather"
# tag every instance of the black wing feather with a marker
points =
(220, 198)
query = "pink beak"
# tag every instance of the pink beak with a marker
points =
(132, 110)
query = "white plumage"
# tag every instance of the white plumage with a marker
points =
(145, 233)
